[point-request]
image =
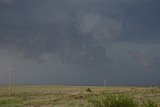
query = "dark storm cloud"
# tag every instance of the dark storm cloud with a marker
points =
(5, 2)
(75, 30)
(80, 41)
(142, 22)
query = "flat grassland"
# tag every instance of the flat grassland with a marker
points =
(70, 96)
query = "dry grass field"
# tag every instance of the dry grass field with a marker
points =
(74, 96)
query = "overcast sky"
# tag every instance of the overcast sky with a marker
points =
(80, 42)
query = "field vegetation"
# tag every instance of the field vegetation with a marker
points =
(80, 96)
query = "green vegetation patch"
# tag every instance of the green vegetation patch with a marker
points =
(119, 100)
(10, 102)
(111, 100)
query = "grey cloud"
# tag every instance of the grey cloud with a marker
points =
(141, 22)
(5, 1)
(80, 40)
(73, 30)
(145, 59)
(102, 29)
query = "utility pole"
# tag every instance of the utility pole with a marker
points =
(105, 83)
(9, 81)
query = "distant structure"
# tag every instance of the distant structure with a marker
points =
(9, 81)
(105, 83)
